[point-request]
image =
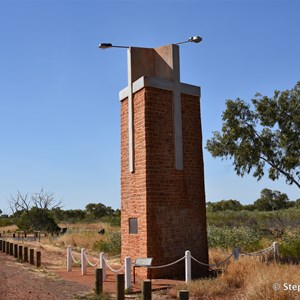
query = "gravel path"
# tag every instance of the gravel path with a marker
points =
(25, 282)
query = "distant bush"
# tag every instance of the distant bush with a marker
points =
(230, 218)
(255, 219)
(114, 220)
(111, 244)
(289, 246)
(245, 238)
(6, 222)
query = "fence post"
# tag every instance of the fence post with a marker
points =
(146, 290)
(0, 245)
(11, 249)
(20, 254)
(98, 281)
(16, 250)
(31, 256)
(127, 272)
(83, 262)
(188, 269)
(3, 246)
(7, 247)
(183, 295)
(276, 250)
(38, 259)
(26, 254)
(236, 253)
(103, 265)
(69, 258)
(120, 295)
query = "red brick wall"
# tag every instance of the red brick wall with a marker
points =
(169, 204)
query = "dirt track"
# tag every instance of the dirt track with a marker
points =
(23, 282)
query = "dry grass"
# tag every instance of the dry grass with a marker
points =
(247, 279)
(10, 228)
(204, 289)
(54, 248)
(83, 235)
(79, 235)
(250, 279)
(258, 284)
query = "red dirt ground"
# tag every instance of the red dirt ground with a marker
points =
(22, 281)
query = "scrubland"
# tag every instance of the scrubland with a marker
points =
(250, 278)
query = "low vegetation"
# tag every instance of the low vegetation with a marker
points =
(85, 235)
(249, 227)
(248, 279)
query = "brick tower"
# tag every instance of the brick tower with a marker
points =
(162, 179)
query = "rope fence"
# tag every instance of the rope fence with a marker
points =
(167, 265)
(257, 253)
(74, 260)
(89, 262)
(114, 270)
(212, 265)
(127, 267)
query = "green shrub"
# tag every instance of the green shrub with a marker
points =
(114, 220)
(243, 237)
(6, 222)
(230, 218)
(110, 245)
(289, 247)
(259, 219)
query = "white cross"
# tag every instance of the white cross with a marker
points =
(170, 58)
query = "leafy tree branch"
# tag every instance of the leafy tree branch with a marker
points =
(266, 136)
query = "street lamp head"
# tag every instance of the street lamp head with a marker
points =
(195, 39)
(109, 45)
(192, 39)
(105, 45)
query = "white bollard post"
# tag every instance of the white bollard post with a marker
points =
(127, 272)
(69, 258)
(276, 250)
(83, 262)
(103, 265)
(188, 269)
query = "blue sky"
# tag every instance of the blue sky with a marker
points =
(59, 104)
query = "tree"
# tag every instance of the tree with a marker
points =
(99, 210)
(266, 136)
(224, 205)
(271, 200)
(74, 215)
(33, 212)
(297, 203)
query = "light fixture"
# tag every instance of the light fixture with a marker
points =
(192, 39)
(109, 45)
